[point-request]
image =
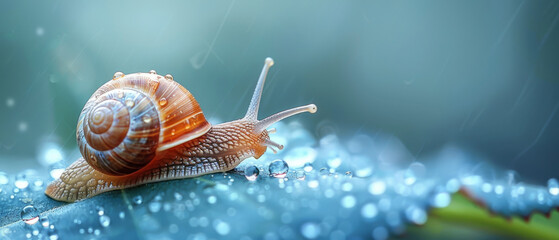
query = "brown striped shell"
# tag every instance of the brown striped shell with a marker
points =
(132, 118)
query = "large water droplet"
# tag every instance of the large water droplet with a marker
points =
(251, 173)
(152, 72)
(553, 186)
(278, 168)
(169, 77)
(105, 220)
(29, 215)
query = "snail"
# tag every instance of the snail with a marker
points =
(141, 128)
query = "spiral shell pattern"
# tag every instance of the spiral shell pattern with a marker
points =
(132, 118)
(121, 129)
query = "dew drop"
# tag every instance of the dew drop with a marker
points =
(100, 210)
(347, 186)
(377, 187)
(313, 184)
(334, 161)
(22, 126)
(4, 178)
(416, 215)
(53, 235)
(299, 156)
(169, 77)
(212, 199)
(486, 187)
(117, 75)
(369, 210)
(221, 227)
(308, 167)
(300, 175)
(251, 173)
(10, 102)
(278, 168)
(173, 132)
(129, 103)
(56, 173)
(553, 186)
(21, 181)
(137, 200)
(177, 196)
(453, 185)
(440, 200)
(310, 230)
(154, 206)
(29, 215)
(162, 102)
(105, 220)
(120, 94)
(146, 118)
(499, 189)
(348, 201)
(152, 72)
(44, 221)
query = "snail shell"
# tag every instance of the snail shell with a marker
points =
(132, 118)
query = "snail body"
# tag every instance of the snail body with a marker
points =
(143, 127)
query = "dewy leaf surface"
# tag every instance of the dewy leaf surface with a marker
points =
(342, 194)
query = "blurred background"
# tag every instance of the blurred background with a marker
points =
(481, 75)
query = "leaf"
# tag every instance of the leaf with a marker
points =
(465, 213)
(316, 204)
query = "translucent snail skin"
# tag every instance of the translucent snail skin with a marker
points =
(141, 128)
